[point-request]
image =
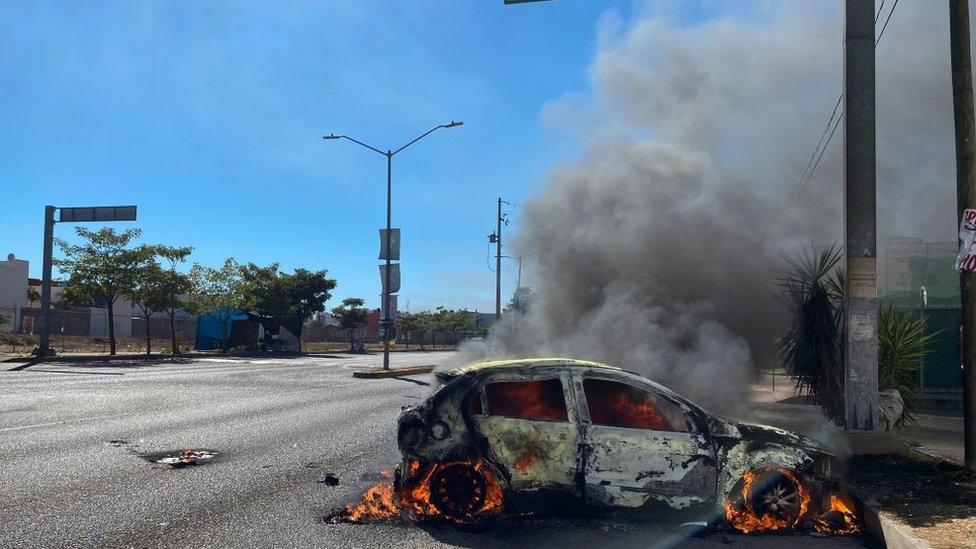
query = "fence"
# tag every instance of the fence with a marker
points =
(159, 328)
(63, 321)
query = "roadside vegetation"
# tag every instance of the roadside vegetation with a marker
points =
(106, 265)
(812, 349)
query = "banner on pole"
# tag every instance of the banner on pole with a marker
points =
(966, 261)
(394, 244)
(394, 278)
(391, 313)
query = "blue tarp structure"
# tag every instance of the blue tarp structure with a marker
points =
(210, 326)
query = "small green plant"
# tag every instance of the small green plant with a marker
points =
(902, 345)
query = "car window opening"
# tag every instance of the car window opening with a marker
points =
(475, 407)
(540, 399)
(619, 405)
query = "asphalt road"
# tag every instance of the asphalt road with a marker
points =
(73, 437)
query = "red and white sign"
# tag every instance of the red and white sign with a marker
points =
(966, 261)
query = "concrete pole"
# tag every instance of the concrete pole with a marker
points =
(47, 261)
(860, 229)
(965, 127)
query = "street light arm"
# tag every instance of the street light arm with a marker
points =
(452, 124)
(356, 141)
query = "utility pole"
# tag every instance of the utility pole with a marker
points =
(965, 127)
(860, 223)
(43, 347)
(498, 265)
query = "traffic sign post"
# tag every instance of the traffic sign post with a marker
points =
(68, 215)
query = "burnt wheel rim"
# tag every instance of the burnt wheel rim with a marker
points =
(777, 496)
(458, 491)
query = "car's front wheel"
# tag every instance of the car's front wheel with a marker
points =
(458, 491)
(766, 500)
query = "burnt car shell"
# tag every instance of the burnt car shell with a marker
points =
(571, 454)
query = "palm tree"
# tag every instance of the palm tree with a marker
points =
(812, 348)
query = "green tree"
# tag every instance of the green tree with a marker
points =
(220, 292)
(32, 296)
(449, 320)
(351, 316)
(103, 266)
(177, 287)
(522, 300)
(159, 288)
(72, 297)
(289, 298)
(413, 323)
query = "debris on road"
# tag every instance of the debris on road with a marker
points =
(330, 480)
(178, 459)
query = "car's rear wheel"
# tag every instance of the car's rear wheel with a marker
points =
(458, 491)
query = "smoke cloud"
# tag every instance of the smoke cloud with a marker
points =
(657, 251)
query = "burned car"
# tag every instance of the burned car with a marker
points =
(521, 435)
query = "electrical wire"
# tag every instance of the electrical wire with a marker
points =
(893, 6)
(809, 172)
(824, 149)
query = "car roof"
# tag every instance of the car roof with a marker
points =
(534, 363)
(446, 376)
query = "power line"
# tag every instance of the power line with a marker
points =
(822, 151)
(893, 6)
(808, 172)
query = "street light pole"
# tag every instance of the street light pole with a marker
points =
(385, 315)
(387, 249)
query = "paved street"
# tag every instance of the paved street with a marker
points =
(72, 437)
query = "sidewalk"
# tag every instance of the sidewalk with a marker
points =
(938, 516)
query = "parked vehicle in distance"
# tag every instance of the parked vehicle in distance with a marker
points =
(525, 435)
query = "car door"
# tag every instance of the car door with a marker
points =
(529, 428)
(641, 445)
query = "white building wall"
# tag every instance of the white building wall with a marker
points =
(98, 321)
(13, 291)
(13, 283)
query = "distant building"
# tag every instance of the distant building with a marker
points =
(918, 276)
(13, 291)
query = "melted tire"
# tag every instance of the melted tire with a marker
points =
(777, 496)
(458, 491)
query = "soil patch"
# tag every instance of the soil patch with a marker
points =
(935, 497)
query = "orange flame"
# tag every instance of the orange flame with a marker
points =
(378, 504)
(382, 503)
(840, 518)
(541, 399)
(741, 514)
(527, 460)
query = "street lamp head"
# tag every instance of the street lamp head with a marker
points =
(331, 136)
(453, 124)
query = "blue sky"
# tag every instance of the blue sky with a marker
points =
(209, 117)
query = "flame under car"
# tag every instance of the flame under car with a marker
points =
(554, 434)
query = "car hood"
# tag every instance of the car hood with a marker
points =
(758, 433)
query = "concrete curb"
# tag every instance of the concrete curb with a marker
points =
(378, 373)
(27, 362)
(889, 531)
